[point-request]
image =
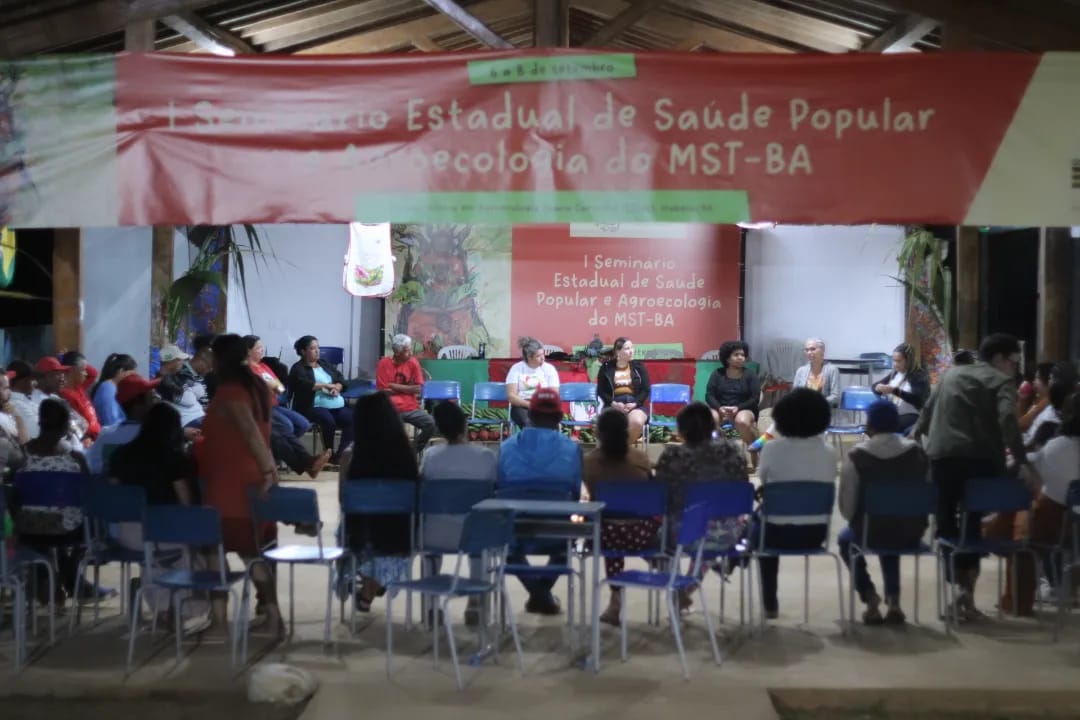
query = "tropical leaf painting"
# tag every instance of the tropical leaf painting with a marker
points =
(452, 287)
(925, 273)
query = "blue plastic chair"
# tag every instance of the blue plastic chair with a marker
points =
(852, 400)
(670, 393)
(333, 355)
(440, 390)
(448, 498)
(578, 392)
(189, 526)
(691, 543)
(105, 504)
(487, 534)
(47, 489)
(728, 500)
(358, 389)
(10, 579)
(298, 506)
(882, 499)
(541, 490)
(986, 496)
(489, 392)
(1066, 556)
(375, 496)
(799, 498)
(636, 500)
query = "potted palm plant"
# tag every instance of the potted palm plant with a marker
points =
(191, 304)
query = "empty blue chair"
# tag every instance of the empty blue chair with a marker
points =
(105, 504)
(727, 501)
(693, 531)
(852, 400)
(299, 506)
(488, 535)
(665, 393)
(579, 392)
(190, 526)
(489, 392)
(798, 498)
(11, 580)
(440, 390)
(889, 499)
(986, 496)
(368, 497)
(358, 388)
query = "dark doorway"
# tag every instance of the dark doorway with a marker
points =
(1010, 290)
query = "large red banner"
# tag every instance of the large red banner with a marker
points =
(793, 139)
(554, 136)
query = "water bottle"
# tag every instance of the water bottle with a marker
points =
(481, 352)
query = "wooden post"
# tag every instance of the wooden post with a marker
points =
(67, 289)
(139, 35)
(161, 276)
(551, 25)
(1055, 293)
(967, 286)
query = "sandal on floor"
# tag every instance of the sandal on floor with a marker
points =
(895, 616)
(872, 616)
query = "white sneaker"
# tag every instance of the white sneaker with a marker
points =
(1047, 594)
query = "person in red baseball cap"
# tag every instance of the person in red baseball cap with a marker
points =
(540, 458)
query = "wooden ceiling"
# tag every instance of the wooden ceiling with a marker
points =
(29, 27)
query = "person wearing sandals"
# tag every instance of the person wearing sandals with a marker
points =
(380, 450)
(884, 457)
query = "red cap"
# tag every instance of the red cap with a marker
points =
(133, 387)
(50, 364)
(546, 401)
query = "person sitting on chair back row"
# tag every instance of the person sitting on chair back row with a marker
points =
(402, 377)
(884, 457)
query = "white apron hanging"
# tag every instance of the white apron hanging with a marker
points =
(369, 262)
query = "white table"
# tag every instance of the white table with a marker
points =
(562, 510)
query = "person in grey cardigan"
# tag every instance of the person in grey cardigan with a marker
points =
(818, 374)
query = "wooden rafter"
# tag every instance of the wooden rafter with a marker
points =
(206, 36)
(766, 20)
(1043, 25)
(402, 35)
(622, 22)
(89, 20)
(901, 36)
(470, 23)
(680, 29)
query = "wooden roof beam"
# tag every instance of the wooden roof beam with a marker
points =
(206, 36)
(902, 36)
(1045, 25)
(404, 34)
(82, 22)
(621, 23)
(470, 24)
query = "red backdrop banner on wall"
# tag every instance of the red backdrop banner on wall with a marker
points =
(566, 286)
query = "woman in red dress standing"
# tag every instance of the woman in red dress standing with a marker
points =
(233, 456)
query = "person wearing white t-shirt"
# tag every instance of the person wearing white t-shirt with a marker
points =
(800, 453)
(526, 377)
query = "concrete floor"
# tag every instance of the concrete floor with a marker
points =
(998, 665)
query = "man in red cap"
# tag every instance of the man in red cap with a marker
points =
(32, 385)
(136, 396)
(541, 458)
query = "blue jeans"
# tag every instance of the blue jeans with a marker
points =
(864, 586)
(331, 420)
(298, 424)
